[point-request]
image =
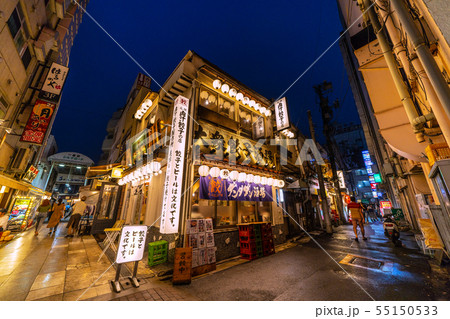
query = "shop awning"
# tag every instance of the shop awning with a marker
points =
(13, 183)
(39, 192)
(102, 170)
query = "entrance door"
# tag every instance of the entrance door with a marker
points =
(108, 203)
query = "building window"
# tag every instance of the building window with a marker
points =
(16, 25)
(208, 99)
(246, 119)
(217, 103)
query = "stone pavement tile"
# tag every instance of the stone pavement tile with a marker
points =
(78, 251)
(6, 270)
(52, 268)
(45, 292)
(18, 283)
(49, 280)
(58, 297)
(74, 295)
(77, 266)
(13, 295)
(103, 289)
(3, 279)
(72, 285)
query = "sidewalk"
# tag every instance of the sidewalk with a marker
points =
(47, 267)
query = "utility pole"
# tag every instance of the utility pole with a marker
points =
(323, 196)
(327, 114)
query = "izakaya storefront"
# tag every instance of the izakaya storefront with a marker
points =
(230, 197)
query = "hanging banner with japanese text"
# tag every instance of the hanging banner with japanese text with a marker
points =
(132, 244)
(54, 82)
(173, 190)
(221, 189)
(282, 114)
(38, 122)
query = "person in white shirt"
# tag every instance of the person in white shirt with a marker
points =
(77, 210)
(4, 217)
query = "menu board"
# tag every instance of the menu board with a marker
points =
(182, 266)
(201, 239)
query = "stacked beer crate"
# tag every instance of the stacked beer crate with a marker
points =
(256, 240)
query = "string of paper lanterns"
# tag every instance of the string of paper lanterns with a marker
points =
(144, 172)
(225, 88)
(143, 108)
(215, 172)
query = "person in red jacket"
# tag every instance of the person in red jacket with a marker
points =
(356, 213)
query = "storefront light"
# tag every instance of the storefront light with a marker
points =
(203, 170)
(217, 84)
(252, 103)
(225, 88)
(281, 183)
(234, 175)
(160, 172)
(263, 110)
(270, 181)
(224, 174)
(246, 100)
(257, 106)
(232, 92)
(268, 113)
(250, 178)
(214, 172)
(257, 179)
(239, 96)
(263, 180)
(242, 177)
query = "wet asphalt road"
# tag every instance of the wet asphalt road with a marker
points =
(306, 272)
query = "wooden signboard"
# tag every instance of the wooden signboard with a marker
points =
(182, 266)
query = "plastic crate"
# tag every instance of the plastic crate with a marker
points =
(157, 252)
(246, 228)
(247, 238)
(248, 248)
(249, 256)
(437, 152)
(268, 244)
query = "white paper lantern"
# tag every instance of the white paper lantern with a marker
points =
(263, 180)
(281, 183)
(232, 92)
(242, 177)
(225, 88)
(246, 100)
(214, 172)
(234, 175)
(249, 178)
(257, 179)
(155, 166)
(147, 103)
(268, 113)
(203, 170)
(270, 181)
(252, 103)
(217, 84)
(262, 110)
(160, 172)
(239, 96)
(224, 174)
(257, 106)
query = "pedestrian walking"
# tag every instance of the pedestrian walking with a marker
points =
(58, 212)
(42, 212)
(4, 217)
(365, 212)
(77, 210)
(356, 212)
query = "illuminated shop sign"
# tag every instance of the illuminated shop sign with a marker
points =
(368, 163)
(281, 114)
(175, 167)
(216, 188)
(54, 82)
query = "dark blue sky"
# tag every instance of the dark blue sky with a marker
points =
(264, 44)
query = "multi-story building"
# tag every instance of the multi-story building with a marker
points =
(218, 123)
(397, 57)
(33, 36)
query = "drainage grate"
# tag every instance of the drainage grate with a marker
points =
(366, 263)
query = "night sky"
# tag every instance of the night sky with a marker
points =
(265, 45)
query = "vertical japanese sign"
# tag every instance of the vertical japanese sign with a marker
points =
(132, 244)
(38, 122)
(175, 167)
(54, 82)
(340, 175)
(368, 163)
(281, 114)
(182, 266)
